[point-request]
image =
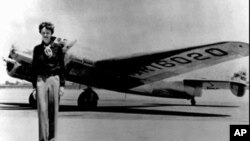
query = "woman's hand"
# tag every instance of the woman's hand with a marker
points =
(61, 91)
(34, 93)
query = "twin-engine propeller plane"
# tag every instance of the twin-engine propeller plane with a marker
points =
(142, 74)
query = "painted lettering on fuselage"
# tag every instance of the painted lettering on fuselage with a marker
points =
(181, 59)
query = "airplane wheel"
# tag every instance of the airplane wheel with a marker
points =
(87, 100)
(193, 102)
(32, 101)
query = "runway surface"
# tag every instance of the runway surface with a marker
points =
(124, 117)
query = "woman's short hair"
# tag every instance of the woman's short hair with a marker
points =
(47, 25)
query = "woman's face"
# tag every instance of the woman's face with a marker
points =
(46, 35)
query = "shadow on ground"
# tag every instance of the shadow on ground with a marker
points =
(131, 109)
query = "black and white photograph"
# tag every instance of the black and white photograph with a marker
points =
(124, 70)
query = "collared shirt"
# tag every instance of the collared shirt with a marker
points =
(47, 66)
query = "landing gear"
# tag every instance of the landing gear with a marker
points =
(87, 100)
(32, 100)
(193, 102)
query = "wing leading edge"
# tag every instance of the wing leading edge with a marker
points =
(152, 67)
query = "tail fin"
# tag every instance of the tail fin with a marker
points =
(240, 76)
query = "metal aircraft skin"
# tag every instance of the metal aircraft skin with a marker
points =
(142, 74)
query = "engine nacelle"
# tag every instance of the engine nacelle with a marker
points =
(19, 65)
(12, 66)
(19, 70)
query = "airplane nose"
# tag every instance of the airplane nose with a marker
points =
(10, 66)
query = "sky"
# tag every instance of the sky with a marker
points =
(111, 28)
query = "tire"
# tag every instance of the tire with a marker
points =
(193, 102)
(85, 102)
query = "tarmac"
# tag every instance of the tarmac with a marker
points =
(125, 117)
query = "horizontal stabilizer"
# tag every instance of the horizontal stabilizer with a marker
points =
(237, 88)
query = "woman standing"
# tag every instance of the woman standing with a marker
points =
(48, 80)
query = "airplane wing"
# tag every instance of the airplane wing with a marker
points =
(128, 72)
(148, 68)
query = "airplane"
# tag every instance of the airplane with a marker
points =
(142, 74)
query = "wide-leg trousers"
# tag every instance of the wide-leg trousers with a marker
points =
(47, 106)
